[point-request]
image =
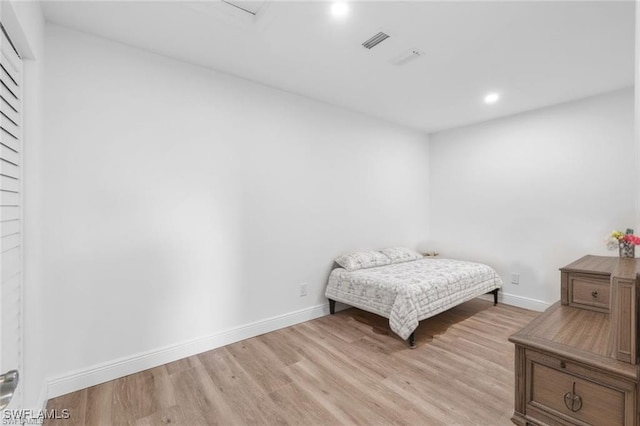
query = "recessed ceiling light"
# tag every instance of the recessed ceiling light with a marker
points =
(492, 98)
(339, 9)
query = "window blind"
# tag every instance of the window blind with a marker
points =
(10, 210)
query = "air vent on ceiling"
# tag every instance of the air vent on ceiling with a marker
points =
(252, 7)
(375, 40)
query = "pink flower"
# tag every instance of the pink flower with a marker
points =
(631, 239)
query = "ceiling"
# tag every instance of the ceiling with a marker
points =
(534, 54)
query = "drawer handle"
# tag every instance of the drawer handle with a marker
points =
(572, 400)
(594, 293)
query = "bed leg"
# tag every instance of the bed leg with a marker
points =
(412, 340)
(495, 297)
(332, 306)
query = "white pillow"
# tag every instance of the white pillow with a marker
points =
(401, 254)
(362, 260)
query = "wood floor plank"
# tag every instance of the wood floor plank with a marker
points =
(350, 382)
(183, 364)
(99, 401)
(300, 408)
(241, 391)
(200, 400)
(348, 368)
(260, 363)
(279, 345)
(348, 331)
(140, 395)
(437, 414)
(349, 405)
(321, 346)
(167, 416)
(76, 403)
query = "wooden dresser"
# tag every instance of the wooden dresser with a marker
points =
(577, 363)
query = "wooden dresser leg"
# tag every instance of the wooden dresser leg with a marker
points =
(332, 306)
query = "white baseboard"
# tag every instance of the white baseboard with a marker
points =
(519, 301)
(121, 367)
(41, 403)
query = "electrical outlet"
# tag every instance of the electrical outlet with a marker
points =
(303, 289)
(515, 279)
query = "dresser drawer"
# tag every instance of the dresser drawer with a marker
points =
(561, 392)
(589, 292)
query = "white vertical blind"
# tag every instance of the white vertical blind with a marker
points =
(10, 211)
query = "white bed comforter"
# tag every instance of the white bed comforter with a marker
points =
(409, 292)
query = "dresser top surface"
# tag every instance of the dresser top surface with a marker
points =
(605, 265)
(577, 334)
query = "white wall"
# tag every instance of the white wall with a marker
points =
(530, 193)
(637, 113)
(25, 23)
(180, 202)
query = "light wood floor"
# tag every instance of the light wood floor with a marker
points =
(348, 368)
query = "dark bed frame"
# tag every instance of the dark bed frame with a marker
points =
(412, 337)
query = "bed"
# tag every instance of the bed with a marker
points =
(405, 287)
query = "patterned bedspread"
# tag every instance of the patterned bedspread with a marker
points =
(409, 292)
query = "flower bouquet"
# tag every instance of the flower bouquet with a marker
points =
(626, 243)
